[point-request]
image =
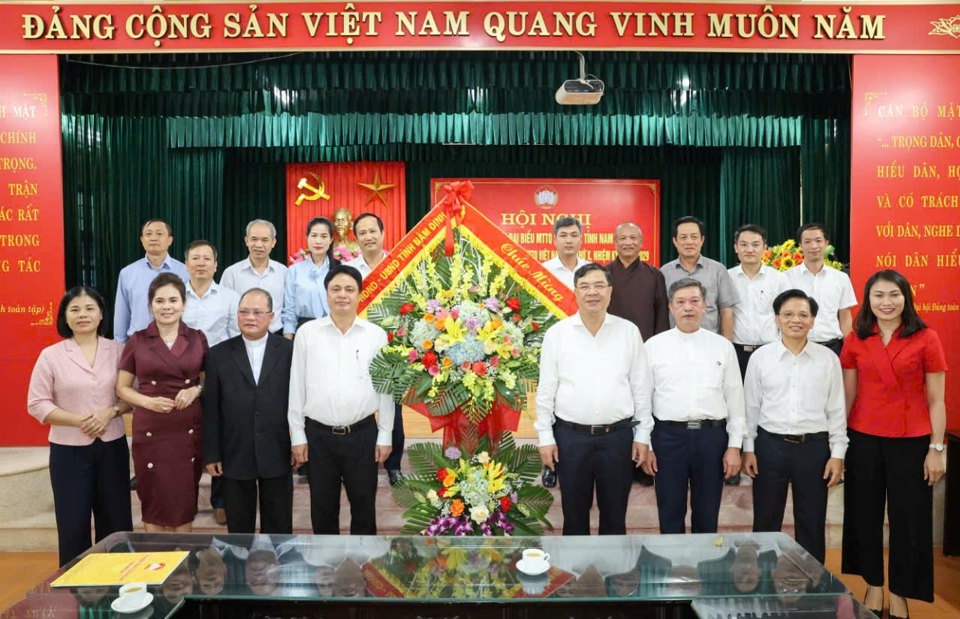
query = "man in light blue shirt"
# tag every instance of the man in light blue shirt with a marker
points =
(131, 312)
(209, 307)
(258, 270)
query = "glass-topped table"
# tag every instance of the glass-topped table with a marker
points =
(260, 577)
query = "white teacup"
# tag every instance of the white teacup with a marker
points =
(134, 594)
(533, 585)
(535, 558)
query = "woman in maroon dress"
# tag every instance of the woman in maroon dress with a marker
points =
(166, 358)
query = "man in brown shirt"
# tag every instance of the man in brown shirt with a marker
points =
(639, 290)
(639, 294)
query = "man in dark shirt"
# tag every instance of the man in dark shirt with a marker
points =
(639, 290)
(639, 294)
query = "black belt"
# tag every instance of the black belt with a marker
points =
(598, 428)
(747, 347)
(343, 430)
(799, 438)
(695, 424)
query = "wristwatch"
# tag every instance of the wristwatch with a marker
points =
(937, 446)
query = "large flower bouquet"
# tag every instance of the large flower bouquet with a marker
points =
(463, 336)
(788, 254)
(488, 493)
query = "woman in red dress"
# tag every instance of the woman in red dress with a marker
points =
(893, 375)
(166, 358)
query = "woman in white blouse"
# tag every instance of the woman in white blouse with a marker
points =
(73, 389)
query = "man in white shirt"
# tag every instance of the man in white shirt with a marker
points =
(757, 286)
(593, 406)
(567, 236)
(212, 309)
(339, 425)
(258, 270)
(831, 288)
(368, 229)
(209, 307)
(796, 424)
(698, 408)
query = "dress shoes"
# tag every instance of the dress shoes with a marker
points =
(220, 515)
(395, 476)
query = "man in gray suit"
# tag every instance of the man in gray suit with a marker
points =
(246, 440)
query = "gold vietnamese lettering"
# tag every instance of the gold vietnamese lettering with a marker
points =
(521, 23)
(76, 27)
(938, 231)
(844, 27)
(24, 189)
(925, 170)
(891, 170)
(235, 27)
(14, 164)
(454, 24)
(951, 260)
(29, 265)
(18, 137)
(654, 24)
(19, 240)
(948, 111)
(940, 200)
(24, 111)
(28, 214)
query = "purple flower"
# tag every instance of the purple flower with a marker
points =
(471, 324)
(453, 453)
(433, 305)
(492, 304)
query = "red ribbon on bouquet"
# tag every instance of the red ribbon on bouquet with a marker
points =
(499, 420)
(456, 195)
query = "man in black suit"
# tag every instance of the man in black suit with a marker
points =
(246, 439)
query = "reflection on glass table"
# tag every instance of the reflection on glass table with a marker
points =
(369, 569)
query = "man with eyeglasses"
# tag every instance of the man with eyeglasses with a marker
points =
(593, 406)
(246, 440)
(698, 411)
(796, 424)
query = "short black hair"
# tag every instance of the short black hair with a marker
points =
(318, 221)
(363, 215)
(812, 226)
(199, 243)
(750, 228)
(261, 291)
(343, 269)
(686, 282)
(794, 293)
(166, 279)
(566, 222)
(865, 324)
(156, 221)
(688, 219)
(589, 268)
(78, 291)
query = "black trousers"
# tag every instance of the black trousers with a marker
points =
(743, 357)
(587, 462)
(216, 492)
(689, 460)
(398, 439)
(889, 470)
(349, 461)
(276, 504)
(89, 479)
(800, 466)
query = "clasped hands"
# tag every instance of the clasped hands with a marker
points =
(184, 398)
(96, 423)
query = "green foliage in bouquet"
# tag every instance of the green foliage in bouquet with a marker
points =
(491, 492)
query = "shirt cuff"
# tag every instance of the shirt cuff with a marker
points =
(385, 438)
(641, 435)
(748, 444)
(735, 440)
(838, 451)
(298, 437)
(546, 438)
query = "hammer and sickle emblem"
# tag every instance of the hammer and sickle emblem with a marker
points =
(317, 192)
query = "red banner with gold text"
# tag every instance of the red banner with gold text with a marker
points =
(526, 208)
(321, 189)
(72, 27)
(905, 187)
(31, 230)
